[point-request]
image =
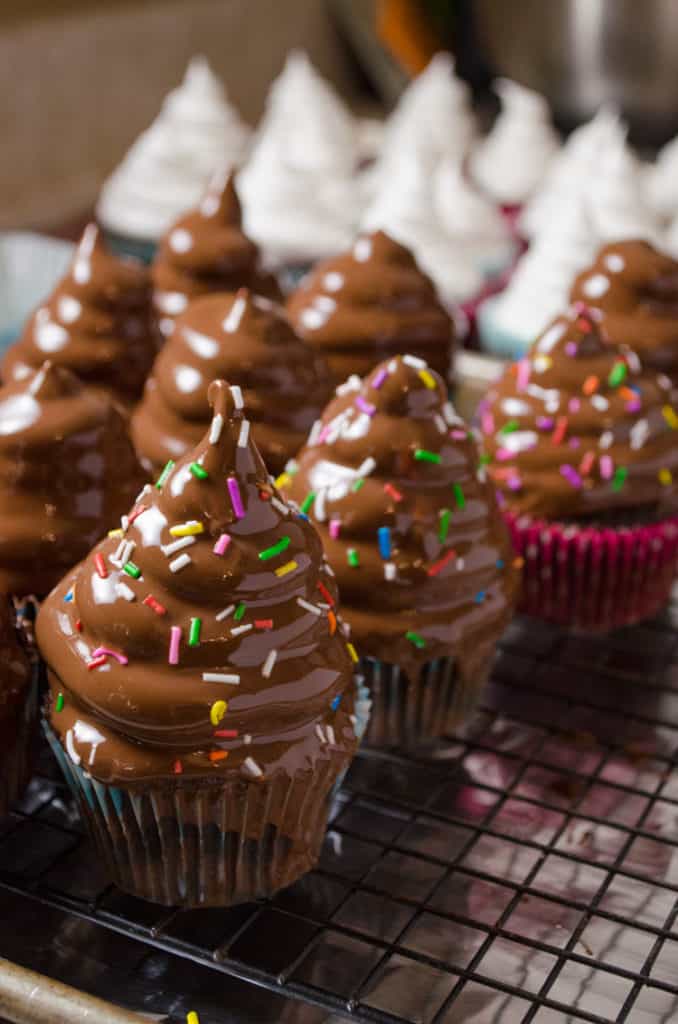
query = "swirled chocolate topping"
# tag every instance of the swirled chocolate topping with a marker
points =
(207, 251)
(410, 523)
(579, 426)
(245, 339)
(636, 286)
(96, 322)
(204, 639)
(67, 469)
(369, 303)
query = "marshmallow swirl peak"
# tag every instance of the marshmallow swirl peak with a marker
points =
(208, 640)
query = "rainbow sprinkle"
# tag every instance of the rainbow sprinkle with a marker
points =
(284, 569)
(221, 677)
(352, 652)
(269, 663)
(154, 605)
(619, 479)
(459, 495)
(670, 416)
(240, 611)
(384, 537)
(353, 558)
(415, 638)
(190, 529)
(423, 455)
(169, 466)
(335, 525)
(221, 544)
(617, 374)
(665, 477)
(217, 711)
(59, 704)
(365, 406)
(198, 472)
(444, 525)
(236, 500)
(132, 570)
(427, 378)
(175, 640)
(275, 549)
(441, 563)
(194, 633)
(100, 565)
(307, 502)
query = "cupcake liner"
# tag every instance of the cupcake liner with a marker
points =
(17, 749)
(138, 248)
(409, 714)
(595, 578)
(202, 844)
(493, 337)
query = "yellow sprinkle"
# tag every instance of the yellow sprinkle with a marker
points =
(187, 529)
(192, 1017)
(670, 417)
(352, 651)
(283, 480)
(217, 711)
(665, 477)
(287, 567)
(115, 533)
(427, 379)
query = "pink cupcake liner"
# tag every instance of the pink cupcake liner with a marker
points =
(595, 578)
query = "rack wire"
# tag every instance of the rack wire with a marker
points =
(525, 870)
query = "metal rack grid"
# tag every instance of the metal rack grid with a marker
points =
(526, 870)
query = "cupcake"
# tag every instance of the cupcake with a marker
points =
(246, 339)
(97, 322)
(371, 302)
(170, 164)
(514, 158)
(67, 469)
(411, 528)
(581, 442)
(18, 713)
(206, 251)
(636, 287)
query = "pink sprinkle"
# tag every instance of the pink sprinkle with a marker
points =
(571, 349)
(574, 442)
(175, 640)
(487, 423)
(606, 467)
(544, 422)
(236, 500)
(633, 406)
(586, 464)
(514, 483)
(504, 455)
(458, 435)
(221, 545)
(379, 378)
(365, 406)
(523, 374)
(574, 405)
(334, 528)
(107, 652)
(571, 475)
(322, 436)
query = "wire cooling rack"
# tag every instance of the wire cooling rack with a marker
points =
(527, 870)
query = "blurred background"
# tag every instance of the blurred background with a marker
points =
(79, 79)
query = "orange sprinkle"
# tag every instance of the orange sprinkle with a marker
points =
(332, 619)
(218, 755)
(590, 385)
(627, 394)
(518, 562)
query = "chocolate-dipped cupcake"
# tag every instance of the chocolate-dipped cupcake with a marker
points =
(207, 251)
(246, 339)
(67, 470)
(411, 528)
(97, 323)
(581, 442)
(18, 712)
(202, 694)
(372, 302)
(636, 286)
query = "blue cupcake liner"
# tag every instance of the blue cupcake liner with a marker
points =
(496, 339)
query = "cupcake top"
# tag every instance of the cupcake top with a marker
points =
(206, 251)
(16, 670)
(660, 181)
(510, 163)
(246, 339)
(636, 286)
(578, 427)
(370, 302)
(410, 524)
(96, 322)
(67, 468)
(170, 164)
(471, 218)
(615, 195)
(203, 640)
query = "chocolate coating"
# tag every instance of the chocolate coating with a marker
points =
(67, 469)
(139, 715)
(445, 573)
(247, 340)
(371, 302)
(207, 251)
(96, 322)
(636, 286)
(579, 426)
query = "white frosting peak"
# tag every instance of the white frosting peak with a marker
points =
(615, 196)
(471, 217)
(661, 181)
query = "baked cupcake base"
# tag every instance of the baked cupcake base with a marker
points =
(595, 578)
(17, 748)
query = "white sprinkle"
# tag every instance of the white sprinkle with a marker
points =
(235, 315)
(124, 523)
(606, 439)
(221, 677)
(632, 360)
(216, 427)
(330, 735)
(389, 570)
(146, 489)
(367, 467)
(639, 434)
(392, 366)
(450, 414)
(244, 434)
(314, 432)
(418, 364)
(224, 613)
(600, 402)
(251, 765)
(308, 606)
(320, 734)
(236, 394)
(352, 383)
(291, 466)
(180, 563)
(180, 240)
(460, 564)
(241, 629)
(247, 738)
(72, 752)
(319, 506)
(353, 720)
(177, 545)
(267, 667)
(663, 381)
(440, 423)
(128, 547)
(281, 507)
(122, 590)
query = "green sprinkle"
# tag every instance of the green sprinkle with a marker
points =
(360, 482)
(485, 459)
(458, 495)
(422, 455)
(307, 502)
(353, 559)
(169, 466)
(275, 549)
(59, 706)
(508, 428)
(444, 525)
(240, 611)
(415, 639)
(194, 634)
(198, 472)
(619, 478)
(617, 374)
(132, 570)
